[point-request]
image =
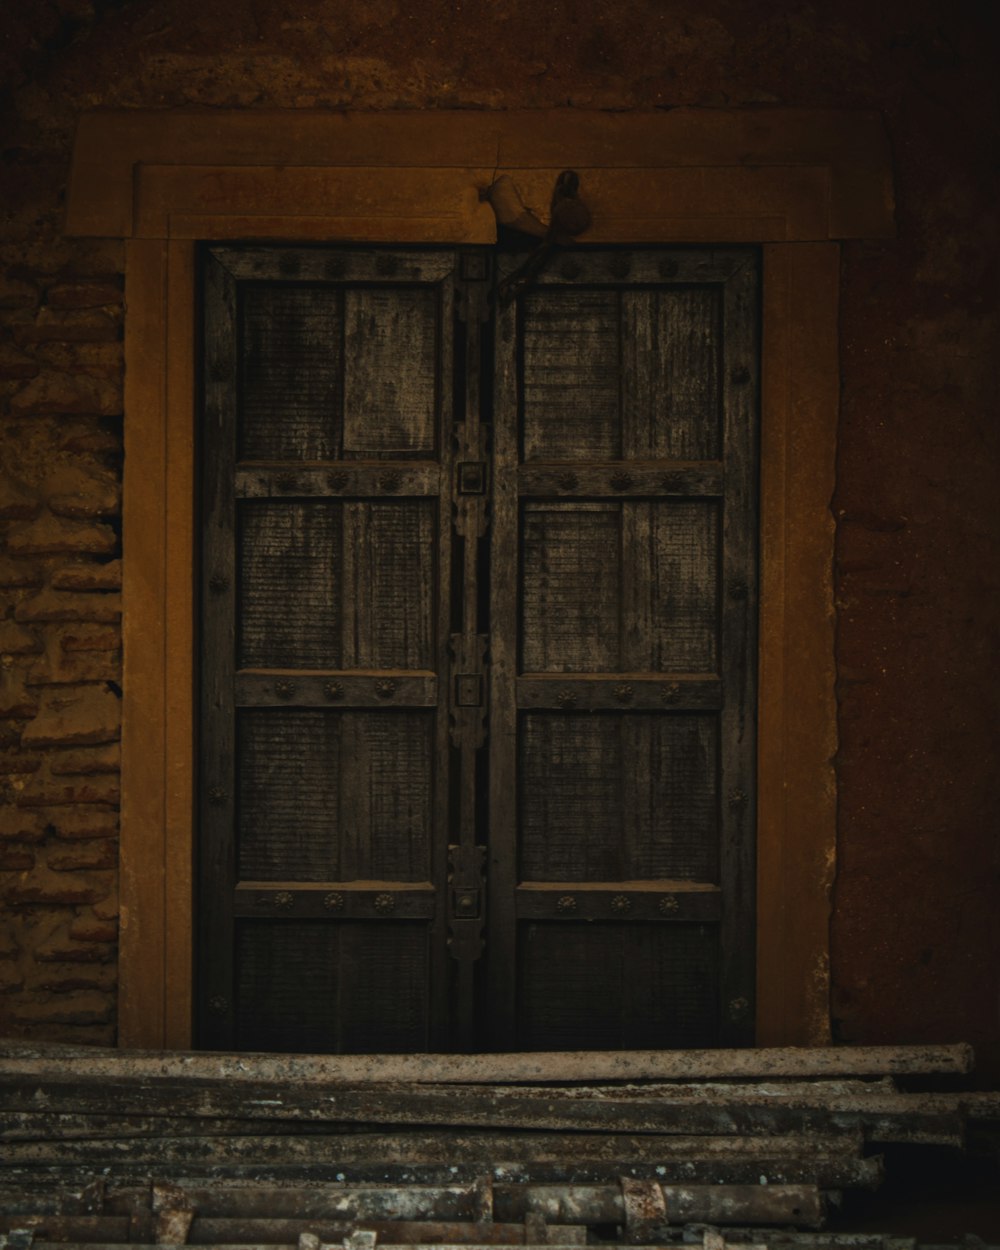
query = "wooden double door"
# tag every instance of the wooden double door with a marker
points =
(478, 599)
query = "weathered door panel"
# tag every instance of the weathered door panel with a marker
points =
(479, 597)
(325, 589)
(622, 644)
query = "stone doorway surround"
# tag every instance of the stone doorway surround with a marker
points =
(793, 181)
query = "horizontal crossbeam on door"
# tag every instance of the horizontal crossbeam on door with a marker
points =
(335, 688)
(338, 479)
(625, 900)
(348, 900)
(584, 692)
(574, 480)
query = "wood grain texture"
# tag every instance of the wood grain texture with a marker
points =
(390, 382)
(618, 797)
(671, 354)
(327, 796)
(617, 986)
(291, 391)
(291, 585)
(570, 379)
(571, 566)
(313, 987)
(390, 585)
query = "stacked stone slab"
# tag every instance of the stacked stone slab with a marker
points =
(60, 647)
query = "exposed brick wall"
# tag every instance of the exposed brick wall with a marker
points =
(915, 931)
(60, 650)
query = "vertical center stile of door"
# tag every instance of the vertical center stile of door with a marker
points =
(468, 648)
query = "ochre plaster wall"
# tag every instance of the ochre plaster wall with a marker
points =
(914, 937)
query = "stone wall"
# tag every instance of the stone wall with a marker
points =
(60, 645)
(914, 935)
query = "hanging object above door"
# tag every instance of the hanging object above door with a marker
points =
(568, 218)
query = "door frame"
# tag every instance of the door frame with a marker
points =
(793, 181)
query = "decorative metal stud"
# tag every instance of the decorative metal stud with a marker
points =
(739, 590)
(334, 901)
(218, 1004)
(286, 482)
(621, 266)
(385, 688)
(385, 903)
(569, 269)
(621, 481)
(217, 795)
(566, 698)
(386, 265)
(566, 903)
(670, 691)
(333, 689)
(284, 689)
(668, 268)
(390, 482)
(284, 899)
(739, 376)
(738, 1008)
(336, 481)
(218, 583)
(621, 903)
(668, 905)
(623, 692)
(737, 799)
(569, 481)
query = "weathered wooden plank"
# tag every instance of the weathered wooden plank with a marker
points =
(293, 1158)
(618, 983)
(570, 589)
(883, 1117)
(291, 584)
(616, 798)
(370, 265)
(34, 1061)
(311, 985)
(390, 370)
(502, 872)
(642, 478)
(336, 688)
(340, 900)
(344, 479)
(666, 901)
(736, 602)
(570, 381)
(292, 365)
(217, 772)
(671, 365)
(678, 692)
(315, 800)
